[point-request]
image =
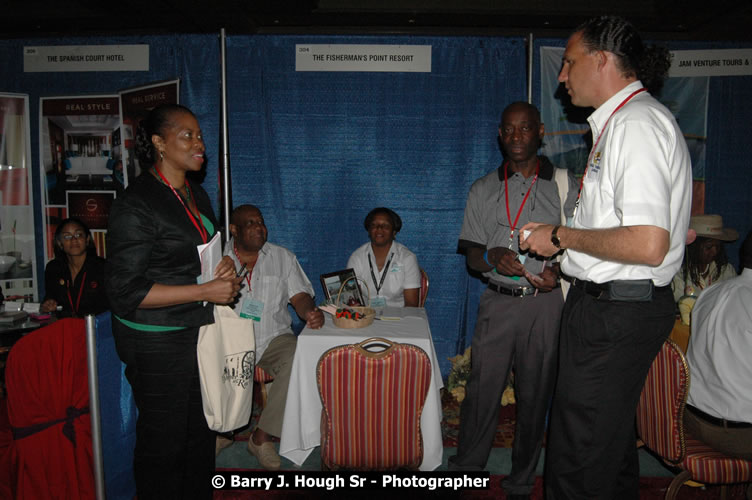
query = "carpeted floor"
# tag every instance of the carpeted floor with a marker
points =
(653, 484)
(450, 426)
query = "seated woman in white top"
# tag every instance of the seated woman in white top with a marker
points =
(389, 268)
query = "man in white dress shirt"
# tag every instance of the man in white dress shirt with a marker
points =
(621, 252)
(719, 406)
(274, 278)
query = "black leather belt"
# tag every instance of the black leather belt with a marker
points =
(517, 291)
(589, 287)
(619, 290)
(729, 424)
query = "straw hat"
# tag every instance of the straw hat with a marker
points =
(711, 226)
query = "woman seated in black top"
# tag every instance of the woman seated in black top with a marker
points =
(74, 279)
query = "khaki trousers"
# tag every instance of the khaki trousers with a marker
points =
(277, 361)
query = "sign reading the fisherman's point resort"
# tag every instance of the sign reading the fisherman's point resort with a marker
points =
(58, 58)
(376, 58)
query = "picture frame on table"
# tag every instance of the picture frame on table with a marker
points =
(351, 293)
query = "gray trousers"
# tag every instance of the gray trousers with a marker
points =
(277, 361)
(734, 442)
(519, 333)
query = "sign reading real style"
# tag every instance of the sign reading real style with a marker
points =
(57, 58)
(369, 58)
(721, 62)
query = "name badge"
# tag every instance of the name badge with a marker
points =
(378, 302)
(395, 268)
(252, 309)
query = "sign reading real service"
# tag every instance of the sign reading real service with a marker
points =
(374, 58)
(57, 58)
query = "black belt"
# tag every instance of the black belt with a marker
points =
(729, 424)
(619, 290)
(516, 291)
(589, 287)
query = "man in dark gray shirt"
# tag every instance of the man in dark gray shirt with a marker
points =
(518, 316)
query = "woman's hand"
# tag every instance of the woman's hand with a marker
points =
(221, 290)
(48, 306)
(225, 269)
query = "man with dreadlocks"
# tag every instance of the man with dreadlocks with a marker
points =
(705, 261)
(621, 252)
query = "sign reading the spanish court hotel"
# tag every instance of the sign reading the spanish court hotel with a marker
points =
(374, 58)
(59, 58)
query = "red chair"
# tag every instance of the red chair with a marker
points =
(371, 405)
(48, 410)
(423, 293)
(660, 425)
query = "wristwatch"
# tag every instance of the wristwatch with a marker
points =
(554, 238)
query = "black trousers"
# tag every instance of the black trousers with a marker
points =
(174, 456)
(519, 333)
(605, 351)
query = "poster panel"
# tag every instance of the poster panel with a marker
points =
(80, 151)
(567, 141)
(17, 248)
(135, 104)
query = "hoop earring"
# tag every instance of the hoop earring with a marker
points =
(161, 156)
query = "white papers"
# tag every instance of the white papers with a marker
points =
(13, 305)
(210, 255)
(31, 307)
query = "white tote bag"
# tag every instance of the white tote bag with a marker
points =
(226, 359)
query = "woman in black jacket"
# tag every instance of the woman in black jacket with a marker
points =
(158, 303)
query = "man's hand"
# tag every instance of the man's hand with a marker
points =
(505, 261)
(307, 310)
(314, 318)
(539, 239)
(545, 281)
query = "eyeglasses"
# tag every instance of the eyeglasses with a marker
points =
(77, 235)
(380, 226)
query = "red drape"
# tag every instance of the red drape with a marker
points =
(48, 401)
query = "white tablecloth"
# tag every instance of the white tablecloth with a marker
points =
(301, 425)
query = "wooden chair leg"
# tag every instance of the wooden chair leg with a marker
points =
(673, 488)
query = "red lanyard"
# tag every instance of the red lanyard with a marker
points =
(506, 196)
(249, 271)
(198, 225)
(600, 134)
(80, 291)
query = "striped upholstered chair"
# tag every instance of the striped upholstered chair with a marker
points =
(372, 402)
(660, 425)
(423, 293)
(262, 377)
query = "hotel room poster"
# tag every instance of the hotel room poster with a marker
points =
(135, 104)
(81, 163)
(17, 248)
